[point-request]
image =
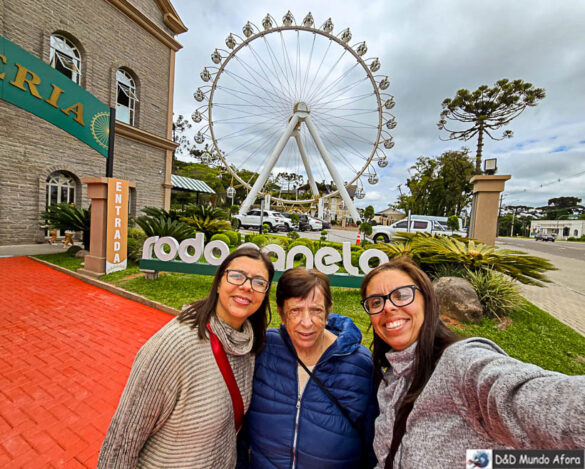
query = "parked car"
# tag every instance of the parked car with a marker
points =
(274, 220)
(295, 226)
(326, 224)
(544, 237)
(307, 223)
(385, 233)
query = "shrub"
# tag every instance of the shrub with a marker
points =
(366, 228)
(280, 240)
(355, 257)
(293, 235)
(136, 238)
(221, 237)
(448, 269)
(68, 217)
(305, 242)
(453, 223)
(497, 295)
(234, 237)
(259, 240)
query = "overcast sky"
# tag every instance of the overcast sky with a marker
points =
(429, 50)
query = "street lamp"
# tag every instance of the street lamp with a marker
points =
(490, 166)
(230, 192)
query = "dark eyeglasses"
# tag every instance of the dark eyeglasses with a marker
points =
(401, 296)
(236, 277)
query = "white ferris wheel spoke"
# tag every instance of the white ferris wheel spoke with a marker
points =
(261, 86)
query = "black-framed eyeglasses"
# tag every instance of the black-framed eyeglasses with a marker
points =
(237, 277)
(401, 296)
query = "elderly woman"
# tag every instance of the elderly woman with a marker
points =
(313, 403)
(191, 383)
(440, 396)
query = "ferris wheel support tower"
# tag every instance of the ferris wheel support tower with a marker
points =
(301, 114)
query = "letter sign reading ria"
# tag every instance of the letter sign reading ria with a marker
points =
(31, 84)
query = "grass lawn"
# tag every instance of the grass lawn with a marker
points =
(533, 336)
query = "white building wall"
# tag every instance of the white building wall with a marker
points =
(563, 229)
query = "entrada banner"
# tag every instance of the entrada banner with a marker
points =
(33, 85)
(117, 225)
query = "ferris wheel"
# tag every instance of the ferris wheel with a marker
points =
(296, 99)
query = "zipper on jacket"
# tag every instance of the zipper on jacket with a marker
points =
(296, 434)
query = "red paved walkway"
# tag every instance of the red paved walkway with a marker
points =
(66, 349)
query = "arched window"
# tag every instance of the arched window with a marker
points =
(125, 97)
(65, 57)
(60, 188)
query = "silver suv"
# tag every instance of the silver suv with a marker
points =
(274, 220)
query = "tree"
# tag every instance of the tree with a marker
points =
(180, 127)
(487, 110)
(288, 178)
(559, 207)
(439, 186)
(368, 213)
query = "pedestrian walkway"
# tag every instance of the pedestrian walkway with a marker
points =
(564, 297)
(66, 349)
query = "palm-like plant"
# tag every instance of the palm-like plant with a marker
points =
(474, 255)
(403, 247)
(68, 217)
(161, 212)
(204, 211)
(164, 226)
(207, 225)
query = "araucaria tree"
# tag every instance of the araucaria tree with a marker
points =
(487, 110)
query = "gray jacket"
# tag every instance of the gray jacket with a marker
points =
(478, 398)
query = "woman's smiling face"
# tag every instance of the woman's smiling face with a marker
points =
(235, 303)
(397, 326)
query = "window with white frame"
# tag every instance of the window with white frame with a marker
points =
(125, 97)
(60, 188)
(65, 57)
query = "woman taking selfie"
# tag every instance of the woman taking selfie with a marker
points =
(440, 396)
(314, 401)
(192, 381)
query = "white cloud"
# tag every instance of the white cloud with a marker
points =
(429, 50)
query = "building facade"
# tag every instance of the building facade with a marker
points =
(562, 229)
(123, 53)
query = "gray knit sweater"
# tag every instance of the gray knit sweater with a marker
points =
(478, 397)
(176, 410)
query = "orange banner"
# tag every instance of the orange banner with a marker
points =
(117, 225)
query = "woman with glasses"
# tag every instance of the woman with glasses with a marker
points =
(192, 381)
(440, 396)
(314, 402)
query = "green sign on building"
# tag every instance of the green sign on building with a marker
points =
(31, 84)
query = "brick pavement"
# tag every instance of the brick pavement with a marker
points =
(66, 349)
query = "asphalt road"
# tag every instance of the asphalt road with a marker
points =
(567, 249)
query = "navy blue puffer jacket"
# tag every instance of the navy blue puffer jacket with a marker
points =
(325, 438)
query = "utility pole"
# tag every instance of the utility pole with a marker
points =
(499, 215)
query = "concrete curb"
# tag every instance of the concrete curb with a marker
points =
(111, 288)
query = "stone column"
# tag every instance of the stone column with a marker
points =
(484, 211)
(97, 192)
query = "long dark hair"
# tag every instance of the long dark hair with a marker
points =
(197, 314)
(299, 283)
(433, 338)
